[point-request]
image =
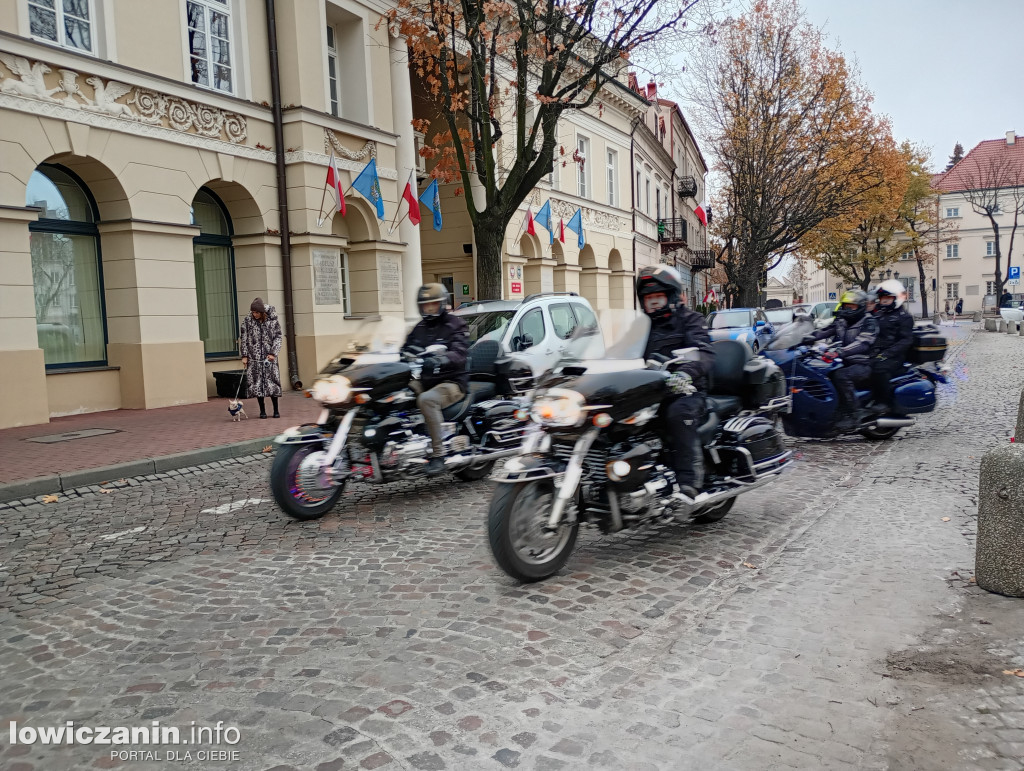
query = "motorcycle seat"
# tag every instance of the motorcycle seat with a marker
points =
(724, 406)
(478, 392)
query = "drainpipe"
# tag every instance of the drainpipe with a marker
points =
(282, 196)
(632, 201)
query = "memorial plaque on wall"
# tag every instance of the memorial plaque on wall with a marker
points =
(326, 277)
(389, 273)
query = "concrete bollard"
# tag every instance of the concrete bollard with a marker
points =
(1011, 327)
(1000, 325)
(990, 325)
(999, 560)
(977, 316)
(1022, 330)
(936, 319)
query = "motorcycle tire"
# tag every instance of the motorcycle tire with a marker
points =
(879, 434)
(287, 489)
(474, 473)
(714, 513)
(514, 507)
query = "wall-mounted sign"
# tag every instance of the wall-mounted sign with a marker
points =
(511, 271)
(326, 277)
(517, 288)
(389, 273)
(465, 290)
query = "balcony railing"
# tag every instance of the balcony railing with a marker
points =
(702, 259)
(672, 232)
(687, 187)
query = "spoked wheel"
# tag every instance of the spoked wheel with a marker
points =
(516, 530)
(879, 434)
(473, 473)
(715, 512)
(298, 483)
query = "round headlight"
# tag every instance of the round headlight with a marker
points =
(335, 389)
(618, 470)
(558, 407)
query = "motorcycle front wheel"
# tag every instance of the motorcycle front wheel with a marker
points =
(879, 434)
(296, 482)
(515, 528)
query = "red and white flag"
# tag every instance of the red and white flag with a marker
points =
(710, 297)
(334, 181)
(561, 231)
(701, 214)
(414, 204)
(530, 229)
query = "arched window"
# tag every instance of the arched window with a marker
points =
(67, 277)
(215, 275)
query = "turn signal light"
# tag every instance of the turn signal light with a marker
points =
(308, 393)
(362, 398)
(602, 420)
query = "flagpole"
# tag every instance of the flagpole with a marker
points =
(323, 197)
(400, 196)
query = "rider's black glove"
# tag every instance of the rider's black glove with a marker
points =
(432, 365)
(808, 340)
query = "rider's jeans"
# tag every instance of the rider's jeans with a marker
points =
(431, 403)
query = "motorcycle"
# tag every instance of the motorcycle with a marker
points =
(371, 430)
(594, 453)
(814, 410)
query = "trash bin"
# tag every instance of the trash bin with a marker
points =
(227, 383)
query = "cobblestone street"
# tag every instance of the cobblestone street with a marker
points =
(828, 622)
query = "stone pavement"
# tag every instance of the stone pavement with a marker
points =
(138, 434)
(828, 622)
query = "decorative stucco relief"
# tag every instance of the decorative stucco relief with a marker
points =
(105, 98)
(591, 217)
(369, 150)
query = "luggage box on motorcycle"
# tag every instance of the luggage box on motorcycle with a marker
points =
(928, 346)
(763, 381)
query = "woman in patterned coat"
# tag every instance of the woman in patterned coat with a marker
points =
(259, 344)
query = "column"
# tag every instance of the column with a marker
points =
(405, 160)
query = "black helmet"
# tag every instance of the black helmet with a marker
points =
(852, 297)
(432, 293)
(660, 278)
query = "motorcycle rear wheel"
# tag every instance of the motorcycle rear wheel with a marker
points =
(515, 521)
(293, 481)
(879, 434)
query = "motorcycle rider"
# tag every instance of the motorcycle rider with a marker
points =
(855, 330)
(895, 336)
(663, 298)
(444, 379)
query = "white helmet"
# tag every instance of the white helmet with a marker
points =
(894, 288)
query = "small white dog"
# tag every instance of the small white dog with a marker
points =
(237, 410)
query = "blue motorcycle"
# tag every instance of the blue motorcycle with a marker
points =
(813, 411)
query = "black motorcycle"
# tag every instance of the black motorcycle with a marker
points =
(370, 428)
(595, 453)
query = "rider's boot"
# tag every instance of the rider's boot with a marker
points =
(435, 466)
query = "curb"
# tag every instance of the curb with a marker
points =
(63, 483)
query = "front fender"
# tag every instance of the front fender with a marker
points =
(529, 468)
(304, 434)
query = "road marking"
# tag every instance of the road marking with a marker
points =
(234, 505)
(112, 536)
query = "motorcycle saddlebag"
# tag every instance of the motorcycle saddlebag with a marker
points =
(755, 434)
(928, 346)
(763, 381)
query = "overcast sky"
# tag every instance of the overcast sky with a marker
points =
(945, 71)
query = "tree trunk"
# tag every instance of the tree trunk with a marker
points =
(924, 291)
(489, 234)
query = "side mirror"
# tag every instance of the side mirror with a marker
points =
(522, 342)
(760, 323)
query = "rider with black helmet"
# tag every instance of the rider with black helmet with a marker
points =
(895, 336)
(855, 330)
(444, 380)
(673, 326)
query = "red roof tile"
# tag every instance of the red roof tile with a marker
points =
(991, 158)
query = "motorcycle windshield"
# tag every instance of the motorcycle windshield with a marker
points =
(791, 334)
(383, 335)
(621, 335)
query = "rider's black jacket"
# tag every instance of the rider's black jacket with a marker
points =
(895, 334)
(683, 329)
(448, 330)
(857, 339)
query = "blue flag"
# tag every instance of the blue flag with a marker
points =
(543, 219)
(368, 184)
(576, 226)
(431, 198)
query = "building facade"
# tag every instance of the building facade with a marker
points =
(139, 197)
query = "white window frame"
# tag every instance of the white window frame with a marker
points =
(612, 174)
(952, 290)
(990, 248)
(952, 251)
(346, 302)
(636, 203)
(234, 44)
(990, 288)
(333, 100)
(583, 188)
(952, 212)
(909, 282)
(647, 195)
(58, 10)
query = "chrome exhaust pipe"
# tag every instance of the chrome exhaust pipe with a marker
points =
(705, 499)
(894, 422)
(481, 457)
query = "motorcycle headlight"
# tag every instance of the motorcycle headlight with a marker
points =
(336, 389)
(558, 407)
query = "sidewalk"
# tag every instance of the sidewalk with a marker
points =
(123, 443)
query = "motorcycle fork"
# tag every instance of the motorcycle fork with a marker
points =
(340, 437)
(572, 477)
